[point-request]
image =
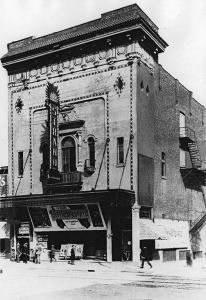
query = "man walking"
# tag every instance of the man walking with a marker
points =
(72, 255)
(144, 256)
(18, 252)
(38, 254)
(52, 254)
(25, 253)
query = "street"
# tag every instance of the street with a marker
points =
(97, 280)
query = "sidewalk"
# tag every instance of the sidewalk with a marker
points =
(178, 268)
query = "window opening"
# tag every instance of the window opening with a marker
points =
(68, 155)
(20, 163)
(120, 150)
(91, 145)
(163, 165)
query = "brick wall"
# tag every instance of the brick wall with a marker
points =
(172, 199)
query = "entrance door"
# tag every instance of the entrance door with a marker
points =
(22, 241)
(126, 245)
(182, 125)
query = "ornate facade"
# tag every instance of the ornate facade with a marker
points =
(89, 140)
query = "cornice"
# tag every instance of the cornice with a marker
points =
(159, 42)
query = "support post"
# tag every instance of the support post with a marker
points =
(135, 233)
(109, 238)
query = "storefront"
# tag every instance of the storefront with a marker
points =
(59, 225)
(4, 239)
(95, 220)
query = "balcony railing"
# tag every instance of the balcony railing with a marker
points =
(186, 132)
(71, 177)
(89, 166)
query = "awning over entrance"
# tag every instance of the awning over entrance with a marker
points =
(150, 231)
(111, 198)
(167, 233)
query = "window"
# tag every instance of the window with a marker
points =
(20, 163)
(91, 146)
(120, 150)
(163, 165)
(182, 124)
(68, 155)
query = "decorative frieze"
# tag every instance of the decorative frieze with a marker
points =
(121, 50)
(54, 67)
(43, 70)
(68, 113)
(108, 56)
(90, 58)
(78, 61)
(66, 64)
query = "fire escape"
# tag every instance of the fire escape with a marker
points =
(188, 142)
(194, 175)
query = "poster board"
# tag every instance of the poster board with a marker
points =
(67, 217)
(65, 250)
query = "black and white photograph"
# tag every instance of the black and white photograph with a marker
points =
(103, 150)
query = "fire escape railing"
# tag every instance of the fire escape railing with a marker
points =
(186, 132)
(190, 142)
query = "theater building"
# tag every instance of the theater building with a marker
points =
(106, 149)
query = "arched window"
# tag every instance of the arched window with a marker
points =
(91, 146)
(68, 155)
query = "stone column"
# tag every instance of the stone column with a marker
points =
(79, 154)
(135, 233)
(109, 238)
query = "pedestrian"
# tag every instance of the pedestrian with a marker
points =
(144, 256)
(72, 256)
(189, 258)
(18, 252)
(38, 254)
(52, 254)
(25, 253)
(33, 255)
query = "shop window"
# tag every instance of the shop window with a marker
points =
(68, 155)
(120, 150)
(163, 165)
(91, 146)
(145, 212)
(169, 255)
(20, 163)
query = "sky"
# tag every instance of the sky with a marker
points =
(181, 23)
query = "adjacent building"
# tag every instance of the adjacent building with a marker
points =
(106, 148)
(4, 225)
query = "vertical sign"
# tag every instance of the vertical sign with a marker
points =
(52, 103)
(53, 137)
(3, 185)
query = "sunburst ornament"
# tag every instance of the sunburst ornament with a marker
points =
(52, 94)
(19, 105)
(119, 85)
